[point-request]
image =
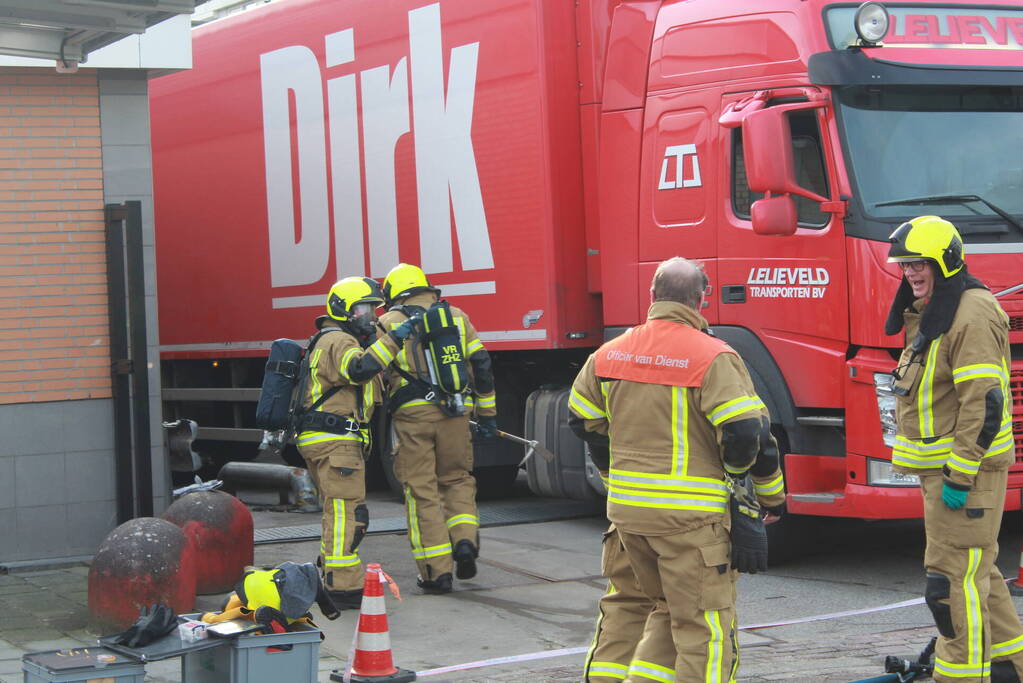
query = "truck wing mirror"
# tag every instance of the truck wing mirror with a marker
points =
(774, 215)
(767, 149)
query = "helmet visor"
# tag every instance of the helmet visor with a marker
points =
(362, 308)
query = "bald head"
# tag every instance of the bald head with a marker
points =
(679, 280)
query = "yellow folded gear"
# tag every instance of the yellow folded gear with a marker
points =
(234, 609)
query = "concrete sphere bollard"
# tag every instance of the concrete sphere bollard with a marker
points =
(220, 527)
(143, 561)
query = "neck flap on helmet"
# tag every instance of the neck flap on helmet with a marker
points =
(940, 311)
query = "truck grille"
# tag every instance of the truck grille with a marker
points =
(1016, 323)
(1016, 386)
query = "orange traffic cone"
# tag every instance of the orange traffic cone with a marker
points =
(372, 662)
(1016, 587)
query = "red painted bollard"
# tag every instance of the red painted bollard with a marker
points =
(220, 527)
(142, 562)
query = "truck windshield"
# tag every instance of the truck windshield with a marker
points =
(945, 144)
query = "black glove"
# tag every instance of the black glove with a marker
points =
(486, 427)
(749, 536)
(154, 622)
(273, 619)
(405, 330)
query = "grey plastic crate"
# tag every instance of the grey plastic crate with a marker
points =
(37, 670)
(251, 659)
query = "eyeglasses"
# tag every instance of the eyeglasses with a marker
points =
(915, 266)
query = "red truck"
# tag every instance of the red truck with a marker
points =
(538, 158)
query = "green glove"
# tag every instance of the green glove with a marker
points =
(953, 498)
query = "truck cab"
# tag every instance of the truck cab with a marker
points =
(781, 149)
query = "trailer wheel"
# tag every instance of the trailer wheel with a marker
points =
(547, 422)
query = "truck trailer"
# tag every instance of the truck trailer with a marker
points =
(539, 158)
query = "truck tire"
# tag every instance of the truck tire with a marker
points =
(547, 421)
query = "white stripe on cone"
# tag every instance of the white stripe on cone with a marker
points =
(374, 642)
(373, 605)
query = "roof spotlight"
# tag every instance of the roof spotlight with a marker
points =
(871, 23)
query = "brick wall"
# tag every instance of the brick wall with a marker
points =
(54, 340)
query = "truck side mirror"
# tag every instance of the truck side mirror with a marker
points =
(767, 149)
(774, 215)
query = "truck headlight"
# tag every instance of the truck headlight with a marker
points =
(880, 473)
(884, 384)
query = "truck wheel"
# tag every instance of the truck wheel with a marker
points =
(547, 422)
(386, 451)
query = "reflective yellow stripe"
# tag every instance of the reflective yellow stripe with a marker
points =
(338, 514)
(770, 488)
(587, 667)
(584, 407)
(961, 464)
(666, 501)
(607, 670)
(342, 561)
(961, 670)
(486, 401)
(1002, 442)
(925, 398)
(713, 619)
(625, 479)
(912, 453)
(413, 521)
(736, 406)
(462, 519)
(382, 353)
(316, 388)
(978, 371)
(974, 622)
(473, 346)
(1009, 647)
(346, 358)
(432, 551)
(655, 672)
(679, 430)
(309, 438)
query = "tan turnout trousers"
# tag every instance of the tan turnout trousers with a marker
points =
(689, 571)
(623, 613)
(976, 618)
(341, 493)
(433, 462)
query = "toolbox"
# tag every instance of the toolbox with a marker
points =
(92, 665)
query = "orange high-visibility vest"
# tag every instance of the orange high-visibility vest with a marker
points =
(660, 352)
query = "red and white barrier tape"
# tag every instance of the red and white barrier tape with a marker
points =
(565, 652)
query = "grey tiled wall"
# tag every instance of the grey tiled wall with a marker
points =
(56, 479)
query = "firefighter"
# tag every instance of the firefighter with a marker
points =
(332, 433)
(682, 428)
(954, 417)
(433, 449)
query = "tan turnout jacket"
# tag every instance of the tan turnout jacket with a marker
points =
(666, 473)
(943, 394)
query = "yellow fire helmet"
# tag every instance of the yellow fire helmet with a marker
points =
(929, 238)
(351, 291)
(260, 587)
(405, 280)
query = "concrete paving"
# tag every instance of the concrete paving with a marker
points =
(536, 593)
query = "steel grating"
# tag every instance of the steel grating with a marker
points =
(497, 513)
